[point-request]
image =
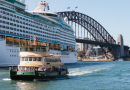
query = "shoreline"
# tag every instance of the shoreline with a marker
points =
(94, 60)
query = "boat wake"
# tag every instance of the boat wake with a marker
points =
(86, 70)
(6, 79)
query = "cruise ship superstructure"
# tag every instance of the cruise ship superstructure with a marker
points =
(17, 28)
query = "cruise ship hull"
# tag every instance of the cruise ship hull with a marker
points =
(36, 75)
(9, 55)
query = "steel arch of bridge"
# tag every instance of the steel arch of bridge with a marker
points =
(98, 32)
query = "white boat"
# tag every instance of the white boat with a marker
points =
(18, 26)
(120, 59)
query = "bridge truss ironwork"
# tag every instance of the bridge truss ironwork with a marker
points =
(87, 30)
(92, 29)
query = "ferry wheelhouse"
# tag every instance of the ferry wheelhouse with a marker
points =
(36, 62)
(18, 26)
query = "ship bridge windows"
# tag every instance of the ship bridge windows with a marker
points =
(24, 49)
(36, 58)
(22, 59)
(38, 49)
(32, 49)
(31, 59)
(26, 59)
(43, 49)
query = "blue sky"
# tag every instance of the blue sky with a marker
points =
(113, 15)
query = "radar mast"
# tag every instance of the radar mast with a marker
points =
(42, 6)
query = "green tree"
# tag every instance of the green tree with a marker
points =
(81, 54)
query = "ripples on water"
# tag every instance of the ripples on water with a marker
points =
(82, 76)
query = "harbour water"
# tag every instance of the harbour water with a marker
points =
(82, 76)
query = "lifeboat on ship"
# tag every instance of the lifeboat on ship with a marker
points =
(43, 44)
(72, 49)
(59, 47)
(69, 48)
(9, 39)
(27, 42)
(22, 41)
(38, 43)
(16, 40)
(50, 46)
(55, 46)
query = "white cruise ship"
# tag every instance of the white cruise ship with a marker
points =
(17, 27)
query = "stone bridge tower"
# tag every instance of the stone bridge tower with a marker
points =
(120, 42)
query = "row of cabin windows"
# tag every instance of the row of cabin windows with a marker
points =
(21, 18)
(71, 40)
(31, 59)
(32, 23)
(33, 49)
(40, 35)
(24, 26)
(14, 51)
(13, 55)
(24, 23)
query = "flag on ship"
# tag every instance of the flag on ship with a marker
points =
(48, 7)
(68, 7)
(76, 7)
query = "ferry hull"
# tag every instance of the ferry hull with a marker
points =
(36, 75)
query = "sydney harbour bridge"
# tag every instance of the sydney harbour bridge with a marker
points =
(89, 31)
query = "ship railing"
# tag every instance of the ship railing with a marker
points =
(1, 5)
(38, 69)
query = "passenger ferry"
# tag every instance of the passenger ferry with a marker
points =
(36, 63)
(18, 26)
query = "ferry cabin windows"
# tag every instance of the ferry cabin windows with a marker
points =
(38, 49)
(34, 59)
(31, 59)
(42, 49)
(26, 59)
(24, 49)
(37, 59)
(22, 59)
(32, 49)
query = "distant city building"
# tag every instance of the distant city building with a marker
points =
(89, 49)
(79, 47)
